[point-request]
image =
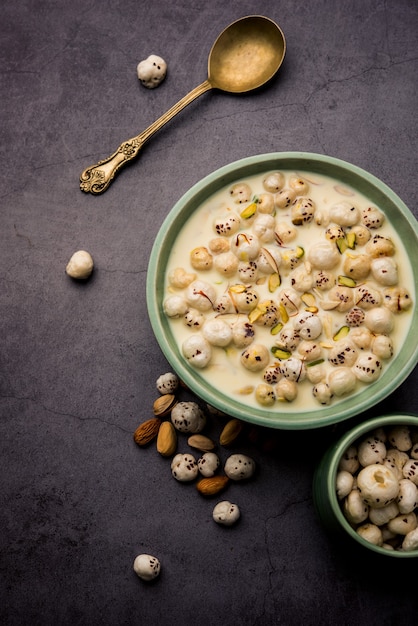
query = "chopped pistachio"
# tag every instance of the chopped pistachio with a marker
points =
(346, 281)
(281, 353)
(249, 211)
(341, 333)
(274, 281)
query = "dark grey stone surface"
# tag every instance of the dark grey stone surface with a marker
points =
(78, 362)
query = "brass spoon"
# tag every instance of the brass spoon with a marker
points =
(245, 56)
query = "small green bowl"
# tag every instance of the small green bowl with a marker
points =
(315, 416)
(327, 505)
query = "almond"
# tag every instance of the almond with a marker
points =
(167, 439)
(163, 404)
(200, 442)
(230, 432)
(147, 431)
(213, 485)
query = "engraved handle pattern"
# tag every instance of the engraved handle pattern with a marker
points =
(97, 178)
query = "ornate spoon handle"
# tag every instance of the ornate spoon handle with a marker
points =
(97, 178)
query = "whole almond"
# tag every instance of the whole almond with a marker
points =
(213, 485)
(167, 439)
(147, 431)
(230, 432)
(163, 404)
(201, 442)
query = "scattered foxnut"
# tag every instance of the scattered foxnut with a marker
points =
(226, 513)
(80, 265)
(208, 464)
(184, 467)
(167, 383)
(147, 566)
(151, 71)
(239, 467)
(188, 417)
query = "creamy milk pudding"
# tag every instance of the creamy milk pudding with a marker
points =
(289, 288)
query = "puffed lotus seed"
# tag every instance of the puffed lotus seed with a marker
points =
(256, 357)
(400, 438)
(297, 183)
(371, 451)
(382, 347)
(385, 271)
(226, 513)
(342, 381)
(407, 496)
(167, 383)
(208, 464)
(239, 467)
(372, 497)
(395, 461)
(197, 351)
(379, 320)
(355, 509)
(175, 306)
(80, 266)
(286, 389)
(217, 332)
(349, 460)
(372, 217)
(344, 214)
(273, 182)
(184, 467)
(265, 395)
(410, 470)
(384, 515)
(188, 417)
(322, 392)
(147, 567)
(371, 533)
(151, 71)
(403, 524)
(240, 192)
(377, 485)
(367, 367)
(344, 483)
(411, 541)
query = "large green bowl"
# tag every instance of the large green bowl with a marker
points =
(398, 214)
(326, 503)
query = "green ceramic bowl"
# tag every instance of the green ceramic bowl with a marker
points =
(316, 415)
(325, 498)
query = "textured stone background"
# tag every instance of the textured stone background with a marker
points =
(78, 362)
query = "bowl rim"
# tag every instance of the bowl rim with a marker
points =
(337, 451)
(367, 184)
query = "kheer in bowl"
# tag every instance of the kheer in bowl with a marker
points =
(281, 290)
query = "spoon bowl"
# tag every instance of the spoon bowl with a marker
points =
(245, 56)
